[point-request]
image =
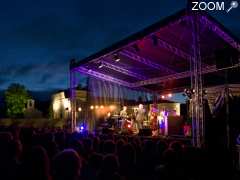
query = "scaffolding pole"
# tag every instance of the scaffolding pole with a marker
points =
(196, 85)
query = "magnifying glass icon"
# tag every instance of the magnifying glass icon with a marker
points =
(234, 4)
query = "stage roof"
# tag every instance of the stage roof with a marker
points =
(158, 57)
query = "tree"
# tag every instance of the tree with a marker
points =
(16, 97)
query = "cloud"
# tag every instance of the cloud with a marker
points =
(39, 38)
(40, 75)
(45, 78)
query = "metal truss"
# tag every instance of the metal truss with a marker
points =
(145, 61)
(175, 76)
(198, 120)
(170, 24)
(102, 76)
(173, 49)
(215, 28)
(132, 43)
(123, 70)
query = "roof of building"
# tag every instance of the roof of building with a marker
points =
(158, 57)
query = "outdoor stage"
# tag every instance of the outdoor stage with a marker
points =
(186, 51)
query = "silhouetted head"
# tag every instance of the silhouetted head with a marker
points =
(110, 164)
(37, 164)
(5, 146)
(67, 165)
(161, 147)
(119, 144)
(127, 155)
(95, 161)
(109, 147)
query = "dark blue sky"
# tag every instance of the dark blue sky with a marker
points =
(37, 38)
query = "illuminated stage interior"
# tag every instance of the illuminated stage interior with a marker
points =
(169, 56)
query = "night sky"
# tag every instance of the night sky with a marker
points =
(38, 38)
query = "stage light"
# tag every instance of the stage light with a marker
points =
(204, 92)
(96, 107)
(91, 107)
(112, 107)
(79, 109)
(169, 95)
(101, 106)
(77, 129)
(129, 125)
(82, 127)
(108, 114)
(163, 97)
(189, 93)
(100, 65)
(116, 58)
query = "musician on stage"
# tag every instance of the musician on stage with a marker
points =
(123, 116)
(140, 116)
(153, 119)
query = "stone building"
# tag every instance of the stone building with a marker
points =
(61, 105)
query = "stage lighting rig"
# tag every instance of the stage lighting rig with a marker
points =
(189, 92)
(116, 57)
(100, 65)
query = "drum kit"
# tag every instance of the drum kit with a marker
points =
(127, 125)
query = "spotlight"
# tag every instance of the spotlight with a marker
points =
(189, 93)
(204, 92)
(90, 70)
(79, 109)
(116, 58)
(100, 65)
(112, 107)
(163, 97)
(155, 40)
(101, 106)
(129, 125)
(91, 107)
(96, 107)
(77, 129)
(169, 95)
(82, 128)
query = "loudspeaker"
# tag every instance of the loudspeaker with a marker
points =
(145, 132)
(226, 57)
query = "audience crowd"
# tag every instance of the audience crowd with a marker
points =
(55, 154)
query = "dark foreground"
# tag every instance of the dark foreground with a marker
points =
(44, 154)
